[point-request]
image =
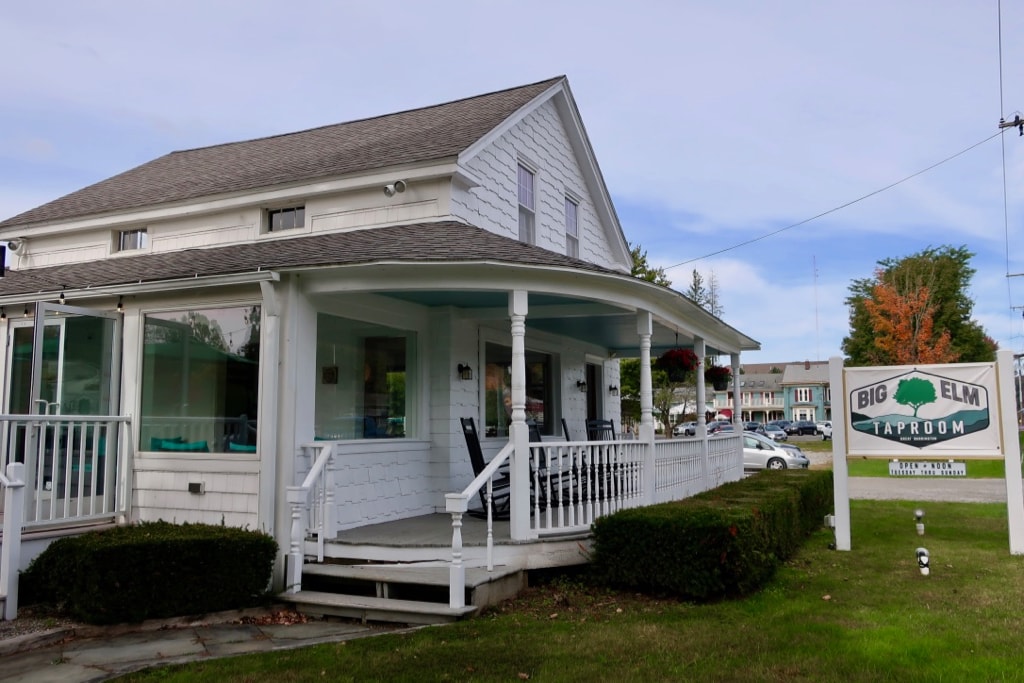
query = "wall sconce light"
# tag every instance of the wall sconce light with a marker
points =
(465, 372)
(62, 300)
(581, 385)
(3, 313)
(613, 390)
(120, 304)
(26, 310)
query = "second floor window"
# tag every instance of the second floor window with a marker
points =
(286, 219)
(803, 395)
(572, 234)
(526, 206)
(129, 240)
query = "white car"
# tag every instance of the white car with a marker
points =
(760, 452)
(825, 429)
(685, 429)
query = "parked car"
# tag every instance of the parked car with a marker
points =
(720, 427)
(685, 429)
(773, 432)
(801, 428)
(751, 426)
(760, 452)
(781, 424)
(826, 431)
(821, 423)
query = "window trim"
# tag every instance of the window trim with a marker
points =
(120, 235)
(572, 237)
(269, 212)
(528, 211)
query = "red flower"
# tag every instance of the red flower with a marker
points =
(673, 360)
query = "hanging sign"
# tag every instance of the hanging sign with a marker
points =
(947, 410)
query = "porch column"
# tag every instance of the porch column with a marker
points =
(644, 327)
(737, 407)
(700, 348)
(519, 522)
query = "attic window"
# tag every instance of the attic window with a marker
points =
(129, 240)
(572, 234)
(286, 219)
(526, 206)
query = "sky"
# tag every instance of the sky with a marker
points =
(781, 147)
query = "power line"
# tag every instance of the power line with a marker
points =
(840, 207)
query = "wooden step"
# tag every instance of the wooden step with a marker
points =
(365, 608)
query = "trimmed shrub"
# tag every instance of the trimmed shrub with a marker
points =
(723, 542)
(152, 570)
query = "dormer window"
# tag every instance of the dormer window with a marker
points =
(527, 227)
(130, 240)
(286, 219)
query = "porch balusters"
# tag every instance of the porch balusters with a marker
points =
(319, 482)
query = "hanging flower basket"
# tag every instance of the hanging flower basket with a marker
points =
(676, 363)
(719, 376)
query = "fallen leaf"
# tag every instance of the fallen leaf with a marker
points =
(826, 597)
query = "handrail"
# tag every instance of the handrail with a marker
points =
(457, 504)
(322, 506)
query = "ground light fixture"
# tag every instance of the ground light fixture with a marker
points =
(919, 516)
(923, 561)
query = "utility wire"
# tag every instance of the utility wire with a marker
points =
(840, 207)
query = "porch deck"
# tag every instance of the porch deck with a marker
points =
(427, 539)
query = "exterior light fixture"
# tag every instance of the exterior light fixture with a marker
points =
(465, 372)
(62, 300)
(923, 561)
(919, 516)
(120, 304)
(3, 313)
(26, 310)
(613, 390)
(581, 385)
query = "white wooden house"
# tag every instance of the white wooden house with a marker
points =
(283, 334)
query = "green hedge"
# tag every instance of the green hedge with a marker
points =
(152, 570)
(724, 542)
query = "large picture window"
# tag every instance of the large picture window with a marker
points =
(498, 390)
(365, 380)
(200, 380)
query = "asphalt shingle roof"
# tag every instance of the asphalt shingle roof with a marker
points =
(447, 241)
(412, 136)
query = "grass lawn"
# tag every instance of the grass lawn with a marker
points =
(864, 615)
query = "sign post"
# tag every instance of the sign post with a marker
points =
(961, 410)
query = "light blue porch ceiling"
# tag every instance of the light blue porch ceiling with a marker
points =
(595, 322)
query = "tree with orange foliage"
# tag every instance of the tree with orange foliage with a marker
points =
(916, 309)
(903, 324)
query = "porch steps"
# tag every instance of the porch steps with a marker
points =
(408, 593)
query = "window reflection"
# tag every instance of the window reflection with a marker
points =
(498, 390)
(364, 371)
(200, 380)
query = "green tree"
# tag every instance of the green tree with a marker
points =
(643, 270)
(914, 392)
(947, 273)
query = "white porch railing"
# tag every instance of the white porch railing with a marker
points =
(74, 465)
(313, 511)
(62, 471)
(573, 484)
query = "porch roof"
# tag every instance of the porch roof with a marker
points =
(557, 282)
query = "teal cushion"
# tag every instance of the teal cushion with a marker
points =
(157, 442)
(185, 447)
(241, 447)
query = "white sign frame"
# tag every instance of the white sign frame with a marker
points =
(998, 439)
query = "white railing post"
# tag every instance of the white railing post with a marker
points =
(297, 496)
(457, 504)
(10, 552)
